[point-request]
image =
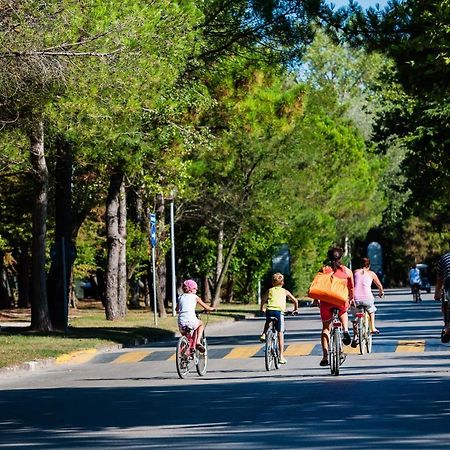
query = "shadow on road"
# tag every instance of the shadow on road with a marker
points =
(301, 413)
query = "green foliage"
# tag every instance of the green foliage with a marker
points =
(91, 245)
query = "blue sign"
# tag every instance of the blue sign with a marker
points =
(375, 254)
(281, 260)
(153, 230)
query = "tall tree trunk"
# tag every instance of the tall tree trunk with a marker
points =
(161, 267)
(207, 289)
(40, 318)
(230, 290)
(114, 260)
(122, 268)
(219, 261)
(6, 298)
(60, 273)
(217, 298)
(136, 215)
(23, 277)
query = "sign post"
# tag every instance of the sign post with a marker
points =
(153, 245)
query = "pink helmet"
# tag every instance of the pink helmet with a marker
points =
(190, 285)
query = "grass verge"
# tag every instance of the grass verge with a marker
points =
(88, 328)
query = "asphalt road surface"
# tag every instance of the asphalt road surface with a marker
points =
(398, 397)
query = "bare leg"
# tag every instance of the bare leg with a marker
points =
(372, 323)
(281, 343)
(344, 321)
(325, 338)
(200, 329)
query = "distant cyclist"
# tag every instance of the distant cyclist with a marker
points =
(364, 277)
(442, 291)
(415, 281)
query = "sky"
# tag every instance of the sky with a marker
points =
(363, 3)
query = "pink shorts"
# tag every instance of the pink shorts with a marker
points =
(326, 311)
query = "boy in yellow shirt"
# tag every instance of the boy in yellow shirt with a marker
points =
(275, 298)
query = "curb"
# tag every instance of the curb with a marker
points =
(66, 358)
(79, 355)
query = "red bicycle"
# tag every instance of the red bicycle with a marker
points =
(187, 355)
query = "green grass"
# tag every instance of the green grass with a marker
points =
(88, 328)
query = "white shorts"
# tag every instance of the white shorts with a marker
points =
(192, 323)
(369, 304)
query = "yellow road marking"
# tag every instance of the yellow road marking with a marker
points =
(349, 349)
(410, 346)
(246, 351)
(302, 349)
(131, 357)
(79, 357)
(173, 357)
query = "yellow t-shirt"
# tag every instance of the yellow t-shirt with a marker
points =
(277, 299)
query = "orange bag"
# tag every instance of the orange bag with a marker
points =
(329, 288)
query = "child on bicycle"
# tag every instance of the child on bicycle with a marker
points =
(275, 298)
(186, 311)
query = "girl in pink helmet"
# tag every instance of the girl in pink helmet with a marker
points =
(186, 311)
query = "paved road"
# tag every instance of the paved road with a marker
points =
(395, 398)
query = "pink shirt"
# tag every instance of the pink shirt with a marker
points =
(363, 285)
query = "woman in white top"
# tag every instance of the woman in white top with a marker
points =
(186, 311)
(364, 278)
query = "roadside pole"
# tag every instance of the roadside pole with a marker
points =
(153, 245)
(172, 255)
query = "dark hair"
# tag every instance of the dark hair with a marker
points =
(365, 263)
(334, 257)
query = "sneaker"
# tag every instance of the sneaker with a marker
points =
(445, 338)
(282, 361)
(346, 339)
(262, 338)
(324, 362)
(200, 348)
(354, 343)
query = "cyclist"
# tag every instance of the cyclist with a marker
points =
(364, 277)
(186, 309)
(335, 265)
(415, 281)
(275, 298)
(442, 291)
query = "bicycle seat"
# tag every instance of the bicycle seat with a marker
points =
(186, 330)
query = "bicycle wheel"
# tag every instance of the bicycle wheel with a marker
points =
(276, 350)
(202, 358)
(368, 334)
(182, 357)
(362, 335)
(269, 351)
(334, 352)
